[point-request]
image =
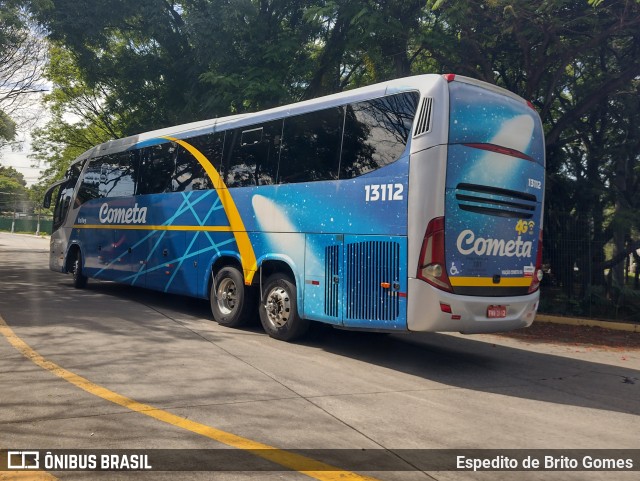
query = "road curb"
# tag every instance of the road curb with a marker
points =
(572, 321)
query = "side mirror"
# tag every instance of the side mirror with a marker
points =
(46, 202)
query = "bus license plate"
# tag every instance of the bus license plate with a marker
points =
(496, 312)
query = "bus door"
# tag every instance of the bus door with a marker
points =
(323, 280)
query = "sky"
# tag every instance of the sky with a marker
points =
(19, 158)
(21, 162)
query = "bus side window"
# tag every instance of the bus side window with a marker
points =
(189, 173)
(65, 194)
(118, 174)
(157, 166)
(311, 146)
(90, 185)
(233, 172)
(267, 153)
(252, 154)
(376, 133)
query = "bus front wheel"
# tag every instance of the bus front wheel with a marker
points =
(232, 303)
(79, 279)
(279, 309)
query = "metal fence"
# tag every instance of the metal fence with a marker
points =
(577, 280)
(31, 224)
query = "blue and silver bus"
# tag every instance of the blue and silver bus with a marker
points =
(410, 205)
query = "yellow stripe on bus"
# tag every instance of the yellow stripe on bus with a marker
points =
(208, 228)
(296, 462)
(247, 255)
(488, 282)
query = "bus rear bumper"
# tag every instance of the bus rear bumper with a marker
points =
(428, 310)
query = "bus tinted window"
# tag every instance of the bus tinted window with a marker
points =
(268, 151)
(118, 175)
(251, 155)
(311, 146)
(157, 168)
(376, 133)
(90, 185)
(189, 173)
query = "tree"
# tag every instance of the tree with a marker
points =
(12, 188)
(7, 127)
(79, 118)
(136, 54)
(21, 61)
(161, 63)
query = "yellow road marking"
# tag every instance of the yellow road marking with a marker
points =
(247, 255)
(305, 465)
(26, 476)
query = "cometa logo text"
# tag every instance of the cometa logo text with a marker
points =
(132, 215)
(468, 243)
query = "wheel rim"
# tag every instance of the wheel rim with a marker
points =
(76, 269)
(278, 307)
(227, 295)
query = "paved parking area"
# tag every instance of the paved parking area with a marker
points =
(112, 367)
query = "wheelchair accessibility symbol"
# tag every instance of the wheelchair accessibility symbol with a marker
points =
(453, 270)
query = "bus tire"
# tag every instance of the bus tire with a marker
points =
(232, 303)
(279, 309)
(79, 279)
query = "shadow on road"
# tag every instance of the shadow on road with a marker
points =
(469, 363)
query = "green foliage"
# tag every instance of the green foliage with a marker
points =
(12, 188)
(10, 26)
(12, 174)
(10, 23)
(7, 127)
(80, 120)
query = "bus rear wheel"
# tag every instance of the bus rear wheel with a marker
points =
(79, 279)
(232, 303)
(279, 309)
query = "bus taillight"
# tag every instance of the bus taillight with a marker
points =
(538, 274)
(431, 265)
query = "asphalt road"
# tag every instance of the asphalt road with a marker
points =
(112, 367)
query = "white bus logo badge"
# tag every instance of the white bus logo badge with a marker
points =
(23, 460)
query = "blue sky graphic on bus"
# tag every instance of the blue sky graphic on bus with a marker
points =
(493, 190)
(157, 241)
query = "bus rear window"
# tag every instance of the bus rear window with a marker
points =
(480, 116)
(376, 133)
